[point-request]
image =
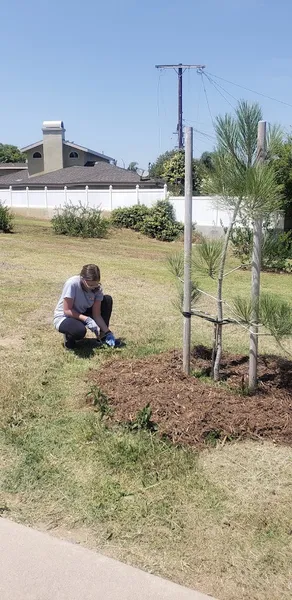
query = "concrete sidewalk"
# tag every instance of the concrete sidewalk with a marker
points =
(36, 566)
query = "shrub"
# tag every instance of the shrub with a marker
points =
(80, 221)
(160, 222)
(157, 222)
(131, 217)
(276, 248)
(6, 219)
(241, 239)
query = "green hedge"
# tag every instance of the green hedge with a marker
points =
(156, 222)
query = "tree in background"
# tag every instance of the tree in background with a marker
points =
(170, 167)
(156, 169)
(133, 166)
(174, 174)
(11, 154)
(207, 160)
(283, 168)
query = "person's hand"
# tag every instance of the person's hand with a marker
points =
(110, 339)
(91, 324)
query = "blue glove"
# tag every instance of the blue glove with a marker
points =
(110, 339)
(91, 324)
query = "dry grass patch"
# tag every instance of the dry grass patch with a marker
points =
(211, 520)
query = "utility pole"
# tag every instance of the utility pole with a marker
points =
(256, 271)
(188, 230)
(180, 110)
(180, 69)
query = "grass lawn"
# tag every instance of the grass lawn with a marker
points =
(218, 520)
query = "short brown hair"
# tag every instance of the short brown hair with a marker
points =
(90, 272)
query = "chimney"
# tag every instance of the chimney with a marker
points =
(53, 138)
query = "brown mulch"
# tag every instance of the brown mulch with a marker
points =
(193, 411)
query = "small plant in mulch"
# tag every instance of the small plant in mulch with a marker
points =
(216, 436)
(100, 401)
(143, 420)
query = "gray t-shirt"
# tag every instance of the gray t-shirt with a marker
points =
(82, 300)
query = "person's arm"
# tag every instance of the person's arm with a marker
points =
(69, 311)
(96, 315)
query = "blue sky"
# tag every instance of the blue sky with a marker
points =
(92, 64)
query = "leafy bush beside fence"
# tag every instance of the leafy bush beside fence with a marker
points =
(80, 221)
(157, 222)
(6, 219)
(276, 248)
(131, 217)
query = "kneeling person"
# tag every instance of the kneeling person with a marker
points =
(82, 305)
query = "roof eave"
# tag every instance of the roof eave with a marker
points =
(31, 146)
(88, 150)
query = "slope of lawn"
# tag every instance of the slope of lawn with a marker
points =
(219, 519)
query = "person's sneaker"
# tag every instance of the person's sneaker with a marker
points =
(69, 344)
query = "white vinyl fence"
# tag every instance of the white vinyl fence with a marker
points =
(206, 212)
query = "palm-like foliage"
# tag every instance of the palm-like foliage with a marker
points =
(237, 174)
(275, 314)
(176, 266)
(237, 136)
(243, 184)
(243, 308)
(208, 257)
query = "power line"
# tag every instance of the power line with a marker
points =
(250, 90)
(221, 87)
(216, 88)
(206, 96)
(205, 133)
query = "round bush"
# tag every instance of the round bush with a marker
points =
(6, 219)
(80, 221)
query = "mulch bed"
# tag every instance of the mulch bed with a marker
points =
(189, 410)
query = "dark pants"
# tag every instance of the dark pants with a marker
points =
(75, 330)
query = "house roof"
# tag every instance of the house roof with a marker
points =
(77, 147)
(31, 146)
(13, 166)
(100, 173)
(72, 145)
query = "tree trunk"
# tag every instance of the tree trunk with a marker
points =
(219, 294)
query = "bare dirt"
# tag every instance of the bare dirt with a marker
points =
(194, 411)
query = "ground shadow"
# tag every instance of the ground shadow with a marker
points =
(273, 371)
(88, 347)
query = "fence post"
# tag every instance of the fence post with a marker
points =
(111, 197)
(137, 195)
(86, 194)
(10, 190)
(27, 197)
(46, 197)
(65, 194)
(165, 191)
